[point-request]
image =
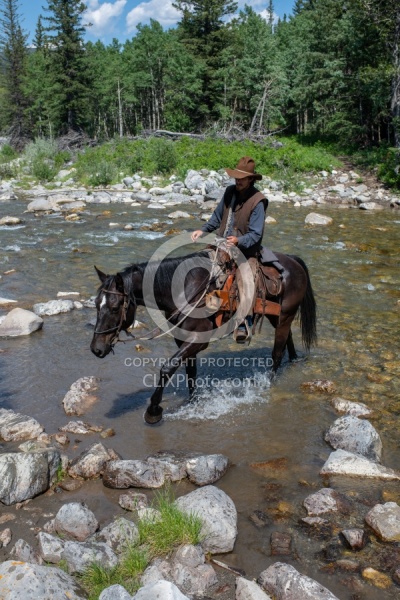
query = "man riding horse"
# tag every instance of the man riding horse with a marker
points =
(239, 218)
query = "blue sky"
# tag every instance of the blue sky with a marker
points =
(118, 18)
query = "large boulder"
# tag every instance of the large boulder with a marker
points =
(51, 548)
(15, 427)
(122, 474)
(206, 469)
(218, 515)
(355, 435)
(342, 462)
(75, 520)
(24, 475)
(384, 519)
(81, 555)
(284, 582)
(20, 322)
(194, 181)
(24, 581)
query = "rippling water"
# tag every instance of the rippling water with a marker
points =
(355, 275)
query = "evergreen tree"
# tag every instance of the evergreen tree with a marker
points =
(13, 51)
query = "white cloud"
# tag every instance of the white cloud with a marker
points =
(160, 10)
(101, 15)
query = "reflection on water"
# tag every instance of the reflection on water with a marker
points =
(354, 271)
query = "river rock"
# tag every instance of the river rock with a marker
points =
(9, 221)
(249, 590)
(119, 534)
(115, 592)
(218, 515)
(356, 539)
(173, 464)
(193, 180)
(355, 435)
(24, 552)
(6, 302)
(355, 409)
(326, 501)
(24, 581)
(319, 385)
(133, 500)
(80, 396)
(370, 206)
(284, 582)
(75, 520)
(133, 473)
(141, 197)
(90, 463)
(179, 214)
(77, 427)
(15, 427)
(51, 548)
(5, 537)
(25, 475)
(378, 579)
(317, 219)
(40, 205)
(53, 307)
(81, 555)
(20, 322)
(162, 589)
(384, 519)
(342, 462)
(206, 469)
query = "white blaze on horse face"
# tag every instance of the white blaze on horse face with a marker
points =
(103, 302)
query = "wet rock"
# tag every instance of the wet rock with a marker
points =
(20, 322)
(179, 214)
(141, 197)
(25, 475)
(317, 219)
(378, 579)
(81, 555)
(90, 463)
(115, 592)
(281, 544)
(6, 302)
(5, 518)
(355, 538)
(24, 552)
(218, 515)
(332, 550)
(80, 396)
(259, 519)
(76, 427)
(119, 534)
(315, 521)
(53, 307)
(351, 566)
(133, 473)
(384, 519)
(204, 470)
(160, 589)
(109, 432)
(62, 439)
(40, 205)
(355, 435)
(9, 221)
(370, 206)
(46, 583)
(51, 548)
(15, 427)
(75, 521)
(173, 464)
(5, 537)
(249, 590)
(70, 485)
(319, 385)
(133, 501)
(284, 582)
(268, 467)
(326, 501)
(342, 462)
(355, 409)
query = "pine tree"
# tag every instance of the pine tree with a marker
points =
(13, 50)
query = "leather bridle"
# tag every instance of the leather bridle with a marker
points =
(128, 300)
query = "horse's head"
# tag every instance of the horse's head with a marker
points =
(116, 308)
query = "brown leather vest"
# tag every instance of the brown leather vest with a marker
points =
(241, 212)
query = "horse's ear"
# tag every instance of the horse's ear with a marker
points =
(102, 276)
(119, 282)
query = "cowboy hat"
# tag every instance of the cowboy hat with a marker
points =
(244, 168)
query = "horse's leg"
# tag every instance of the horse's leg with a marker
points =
(191, 370)
(282, 337)
(188, 350)
(290, 347)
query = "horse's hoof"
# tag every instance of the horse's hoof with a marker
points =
(153, 415)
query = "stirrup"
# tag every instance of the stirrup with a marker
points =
(243, 332)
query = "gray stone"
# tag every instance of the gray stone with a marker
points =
(115, 592)
(356, 409)
(53, 307)
(384, 519)
(5, 537)
(15, 427)
(80, 396)
(141, 197)
(284, 582)
(119, 534)
(326, 501)
(218, 515)
(193, 180)
(90, 463)
(315, 521)
(10, 221)
(355, 435)
(249, 590)
(317, 219)
(355, 538)
(76, 427)
(20, 322)
(75, 520)
(133, 500)
(6, 302)
(158, 569)
(25, 475)
(160, 590)
(122, 474)
(206, 469)
(24, 552)
(190, 556)
(81, 555)
(30, 582)
(173, 464)
(40, 205)
(128, 181)
(51, 547)
(214, 195)
(342, 462)
(370, 206)
(194, 581)
(179, 214)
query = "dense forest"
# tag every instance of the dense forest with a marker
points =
(330, 70)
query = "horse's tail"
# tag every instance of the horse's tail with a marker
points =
(308, 311)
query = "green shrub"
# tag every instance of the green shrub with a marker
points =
(102, 173)
(389, 169)
(160, 156)
(7, 153)
(7, 171)
(43, 169)
(39, 149)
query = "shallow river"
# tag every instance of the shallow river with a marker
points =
(355, 274)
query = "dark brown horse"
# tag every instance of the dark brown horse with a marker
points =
(120, 294)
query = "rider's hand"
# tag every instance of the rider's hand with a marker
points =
(196, 234)
(232, 240)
